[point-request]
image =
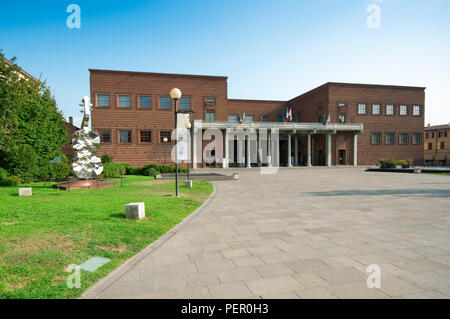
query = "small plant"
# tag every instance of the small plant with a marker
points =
(106, 158)
(388, 163)
(10, 181)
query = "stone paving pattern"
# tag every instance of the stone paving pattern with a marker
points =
(303, 233)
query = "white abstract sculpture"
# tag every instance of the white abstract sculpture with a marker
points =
(86, 165)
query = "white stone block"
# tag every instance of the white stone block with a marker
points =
(417, 171)
(135, 210)
(188, 184)
(25, 191)
(236, 176)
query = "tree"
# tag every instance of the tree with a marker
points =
(29, 120)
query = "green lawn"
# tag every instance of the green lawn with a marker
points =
(43, 234)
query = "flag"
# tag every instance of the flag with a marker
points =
(324, 119)
(282, 116)
(290, 115)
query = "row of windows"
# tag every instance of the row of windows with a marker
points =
(440, 134)
(125, 136)
(403, 138)
(144, 101)
(441, 145)
(389, 109)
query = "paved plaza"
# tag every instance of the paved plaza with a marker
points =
(301, 233)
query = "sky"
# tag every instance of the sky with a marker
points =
(269, 49)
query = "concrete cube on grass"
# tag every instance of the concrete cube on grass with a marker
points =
(417, 171)
(25, 191)
(135, 210)
(188, 184)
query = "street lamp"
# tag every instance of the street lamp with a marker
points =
(175, 94)
(165, 140)
(188, 126)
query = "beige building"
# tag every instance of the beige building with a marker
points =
(437, 145)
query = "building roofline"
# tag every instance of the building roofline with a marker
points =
(21, 71)
(160, 74)
(437, 127)
(376, 85)
(256, 100)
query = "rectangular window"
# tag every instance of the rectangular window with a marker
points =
(416, 110)
(376, 138)
(210, 100)
(390, 138)
(165, 134)
(432, 134)
(445, 133)
(124, 101)
(164, 102)
(145, 102)
(430, 146)
(403, 109)
(341, 118)
(440, 134)
(426, 135)
(417, 138)
(249, 118)
(125, 136)
(105, 136)
(389, 109)
(361, 108)
(264, 118)
(103, 100)
(442, 145)
(403, 138)
(232, 118)
(146, 136)
(375, 109)
(210, 116)
(185, 103)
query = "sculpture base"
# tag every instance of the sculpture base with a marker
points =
(84, 184)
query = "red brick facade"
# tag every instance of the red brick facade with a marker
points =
(201, 90)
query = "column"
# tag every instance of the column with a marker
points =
(295, 150)
(289, 151)
(308, 156)
(248, 151)
(194, 147)
(328, 142)
(355, 149)
(269, 148)
(227, 151)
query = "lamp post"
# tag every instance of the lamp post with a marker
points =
(188, 126)
(175, 94)
(165, 140)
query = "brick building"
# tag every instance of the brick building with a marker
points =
(437, 145)
(334, 124)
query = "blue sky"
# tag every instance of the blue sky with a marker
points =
(268, 49)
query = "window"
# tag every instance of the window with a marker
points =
(442, 146)
(210, 116)
(440, 134)
(445, 133)
(185, 103)
(375, 109)
(361, 108)
(416, 138)
(430, 146)
(125, 136)
(390, 138)
(403, 109)
(299, 117)
(416, 110)
(145, 102)
(164, 134)
(249, 118)
(232, 118)
(389, 109)
(164, 102)
(124, 101)
(376, 138)
(426, 135)
(211, 100)
(340, 104)
(146, 136)
(403, 138)
(341, 118)
(105, 136)
(432, 134)
(103, 100)
(264, 118)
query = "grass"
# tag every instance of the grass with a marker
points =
(448, 174)
(43, 234)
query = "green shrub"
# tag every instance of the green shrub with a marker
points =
(106, 158)
(54, 170)
(401, 162)
(23, 162)
(150, 171)
(114, 169)
(3, 173)
(388, 163)
(409, 161)
(10, 181)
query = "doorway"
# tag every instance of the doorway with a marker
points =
(342, 157)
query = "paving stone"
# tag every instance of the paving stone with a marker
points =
(231, 290)
(310, 280)
(203, 266)
(233, 253)
(428, 280)
(308, 265)
(341, 276)
(273, 285)
(248, 261)
(238, 274)
(315, 293)
(396, 287)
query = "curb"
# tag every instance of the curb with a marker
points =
(96, 290)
